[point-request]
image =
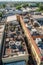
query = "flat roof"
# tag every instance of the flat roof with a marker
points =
(15, 45)
(11, 18)
(32, 29)
(37, 16)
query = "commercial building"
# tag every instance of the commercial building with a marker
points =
(14, 48)
(35, 39)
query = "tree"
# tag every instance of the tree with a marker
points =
(0, 14)
(37, 4)
(4, 5)
(25, 5)
(18, 7)
(41, 7)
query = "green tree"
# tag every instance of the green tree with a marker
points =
(0, 14)
(25, 5)
(4, 5)
(38, 4)
(18, 7)
(41, 7)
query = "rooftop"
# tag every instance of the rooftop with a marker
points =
(34, 27)
(15, 45)
(37, 16)
(39, 19)
(36, 32)
(10, 18)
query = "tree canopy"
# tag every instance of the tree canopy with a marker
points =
(0, 14)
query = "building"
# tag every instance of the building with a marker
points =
(35, 40)
(2, 28)
(14, 48)
(38, 17)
